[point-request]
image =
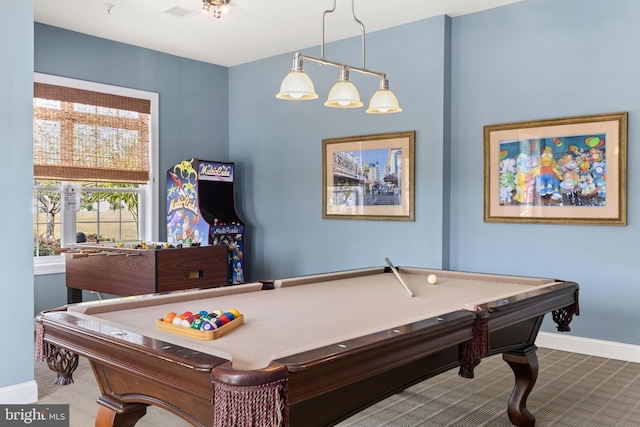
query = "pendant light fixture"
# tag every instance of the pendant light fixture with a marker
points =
(298, 86)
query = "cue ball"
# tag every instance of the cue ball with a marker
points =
(432, 279)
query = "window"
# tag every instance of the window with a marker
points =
(95, 159)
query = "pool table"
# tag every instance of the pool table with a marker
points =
(312, 351)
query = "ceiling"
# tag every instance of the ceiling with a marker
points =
(251, 30)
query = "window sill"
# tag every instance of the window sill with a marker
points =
(48, 266)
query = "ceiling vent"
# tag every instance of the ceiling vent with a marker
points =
(181, 12)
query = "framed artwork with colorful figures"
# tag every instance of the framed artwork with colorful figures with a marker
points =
(570, 170)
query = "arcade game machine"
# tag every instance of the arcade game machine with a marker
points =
(201, 210)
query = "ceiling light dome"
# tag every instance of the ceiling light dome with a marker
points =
(383, 101)
(343, 94)
(297, 85)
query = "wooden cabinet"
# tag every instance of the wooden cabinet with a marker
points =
(124, 272)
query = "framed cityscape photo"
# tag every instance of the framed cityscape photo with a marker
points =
(369, 177)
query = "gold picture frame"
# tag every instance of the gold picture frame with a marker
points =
(569, 170)
(369, 177)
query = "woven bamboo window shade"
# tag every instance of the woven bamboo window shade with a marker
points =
(80, 135)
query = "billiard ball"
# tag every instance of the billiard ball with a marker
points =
(169, 317)
(177, 320)
(235, 313)
(189, 320)
(432, 279)
(208, 326)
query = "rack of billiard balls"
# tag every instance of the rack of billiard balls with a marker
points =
(202, 325)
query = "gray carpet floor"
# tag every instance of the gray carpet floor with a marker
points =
(572, 390)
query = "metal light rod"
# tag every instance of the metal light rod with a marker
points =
(353, 14)
(302, 56)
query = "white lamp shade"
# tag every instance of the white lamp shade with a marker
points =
(383, 102)
(343, 95)
(297, 86)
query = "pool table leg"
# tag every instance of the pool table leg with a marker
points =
(112, 413)
(524, 364)
(63, 362)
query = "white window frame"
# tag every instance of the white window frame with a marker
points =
(149, 206)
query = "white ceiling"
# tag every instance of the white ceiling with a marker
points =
(251, 30)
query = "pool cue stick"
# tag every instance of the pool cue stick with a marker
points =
(399, 277)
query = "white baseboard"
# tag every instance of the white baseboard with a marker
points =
(19, 394)
(591, 347)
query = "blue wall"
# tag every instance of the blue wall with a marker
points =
(531, 60)
(278, 148)
(194, 117)
(536, 60)
(16, 136)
